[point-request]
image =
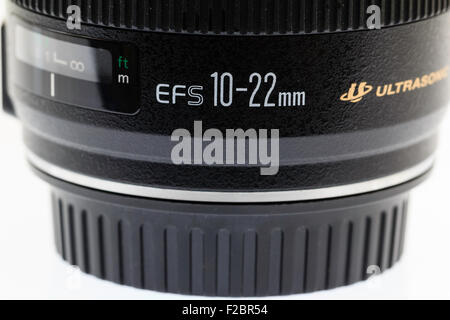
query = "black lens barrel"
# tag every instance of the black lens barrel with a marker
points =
(240, 16)
(352, 111)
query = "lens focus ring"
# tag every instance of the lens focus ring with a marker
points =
(240, 16)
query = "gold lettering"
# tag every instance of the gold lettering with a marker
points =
(398, 85)
(425, 81)
(407, 85)
(432, 78)
(390, 91)
(416, 84)
(357, 92)
(379, 93)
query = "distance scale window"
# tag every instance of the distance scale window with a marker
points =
(78, 71)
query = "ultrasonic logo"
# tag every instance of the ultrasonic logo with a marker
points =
(234, 147)
(354, 97)
(356, 93)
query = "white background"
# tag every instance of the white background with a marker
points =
(30, 268)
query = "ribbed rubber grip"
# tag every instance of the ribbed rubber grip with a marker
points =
(224, 250)
(240, 16)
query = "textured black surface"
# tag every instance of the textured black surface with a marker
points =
(323, 65)
(240, 16)
(231, 178)
(243, 250)
(229, 250)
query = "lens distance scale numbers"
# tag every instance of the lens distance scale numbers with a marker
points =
(77, 71)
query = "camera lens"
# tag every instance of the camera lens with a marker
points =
(230, 148)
